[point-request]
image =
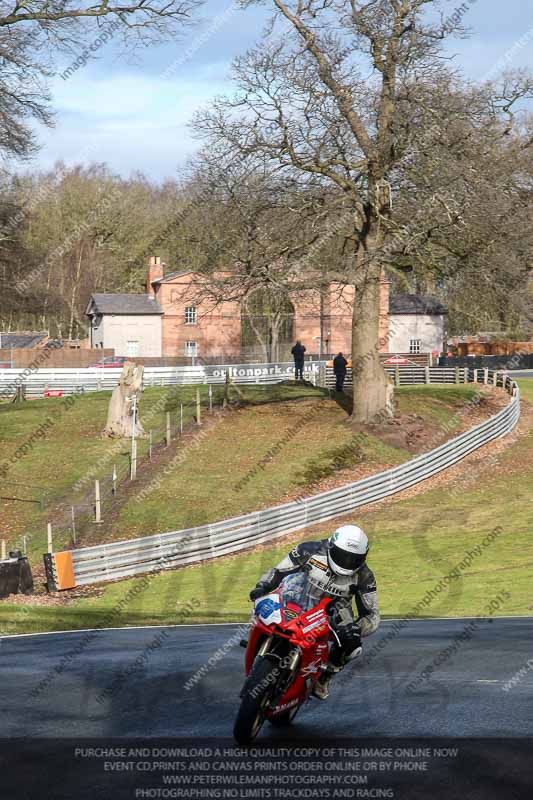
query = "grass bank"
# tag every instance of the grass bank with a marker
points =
(479, 532)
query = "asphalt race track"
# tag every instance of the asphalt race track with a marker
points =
(112, 685)
(517, 373)
(463, 698)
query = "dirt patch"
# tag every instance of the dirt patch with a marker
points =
(418, 434)
(42, 598)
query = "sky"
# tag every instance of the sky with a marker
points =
(135, 116)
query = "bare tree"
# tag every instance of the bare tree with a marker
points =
(30, 34)
(262, 237)
(322, 99)
(330, 96)
(463, 200)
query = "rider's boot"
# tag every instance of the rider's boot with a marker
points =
(340, 659)
(321, 687)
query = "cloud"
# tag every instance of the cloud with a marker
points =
(133, 122)
(126, 115)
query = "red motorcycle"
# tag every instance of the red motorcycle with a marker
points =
(285, 654)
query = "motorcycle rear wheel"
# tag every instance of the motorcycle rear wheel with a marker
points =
(252, 712)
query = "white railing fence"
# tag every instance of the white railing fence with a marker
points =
(71, 381)
(169, 550)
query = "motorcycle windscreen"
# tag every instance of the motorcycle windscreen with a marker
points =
(299, 590)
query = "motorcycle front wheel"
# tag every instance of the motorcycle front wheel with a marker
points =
(284, 719)
(260, 687)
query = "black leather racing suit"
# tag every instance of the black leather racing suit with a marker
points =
(360, 587)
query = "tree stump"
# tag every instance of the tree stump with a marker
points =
(20, 394)
(125, 395)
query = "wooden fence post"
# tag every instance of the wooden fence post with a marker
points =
(73, 521)
(150, 444)
(475, 376)
(486, 375)
(133, 465)
(198, 408)
(495, 378)
(226, 389)
(114, 478)
(457, 375)
(181, 418)
(97, 503)
(427, 375)
(49, 536)
(397, 376)
(210, 391)
(3, 549)
(168, 429)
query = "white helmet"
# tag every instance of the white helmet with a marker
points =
(347, 550)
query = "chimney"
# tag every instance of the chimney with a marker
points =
(155, 272)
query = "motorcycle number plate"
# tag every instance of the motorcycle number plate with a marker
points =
(268, 609)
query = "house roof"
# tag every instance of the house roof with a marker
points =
(172, 275)
(22, 341)
(422, 304)
(126, 304)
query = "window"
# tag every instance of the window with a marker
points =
(191, 316)
(133, 348)
(414, 346)
(191, 349)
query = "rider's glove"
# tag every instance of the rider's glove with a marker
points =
(258, 592)
(354, 633)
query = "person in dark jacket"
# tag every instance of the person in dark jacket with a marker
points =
(298, 352)
(339, 368)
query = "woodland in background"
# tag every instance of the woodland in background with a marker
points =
(469, 242)
(349, 146)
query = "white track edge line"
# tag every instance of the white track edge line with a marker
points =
(242, 622)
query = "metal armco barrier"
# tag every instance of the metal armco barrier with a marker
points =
(164, 551)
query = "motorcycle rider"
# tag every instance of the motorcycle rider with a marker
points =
(337, 568)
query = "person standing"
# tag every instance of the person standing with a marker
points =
(339, 368)
(298, 352)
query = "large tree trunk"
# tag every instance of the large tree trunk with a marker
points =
(120, 413)
(372, 391)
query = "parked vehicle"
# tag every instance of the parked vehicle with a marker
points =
(111, 362)
(287, 650)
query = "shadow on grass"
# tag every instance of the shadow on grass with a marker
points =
(344, 401)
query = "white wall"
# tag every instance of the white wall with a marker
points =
(98, 333)
(119, 329)
(428, 328)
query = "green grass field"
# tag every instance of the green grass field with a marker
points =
(71, 448)
(415, 543)
(206, 486)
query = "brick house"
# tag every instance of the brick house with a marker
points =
(177, 317)
(192, 327)
(203, 328)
